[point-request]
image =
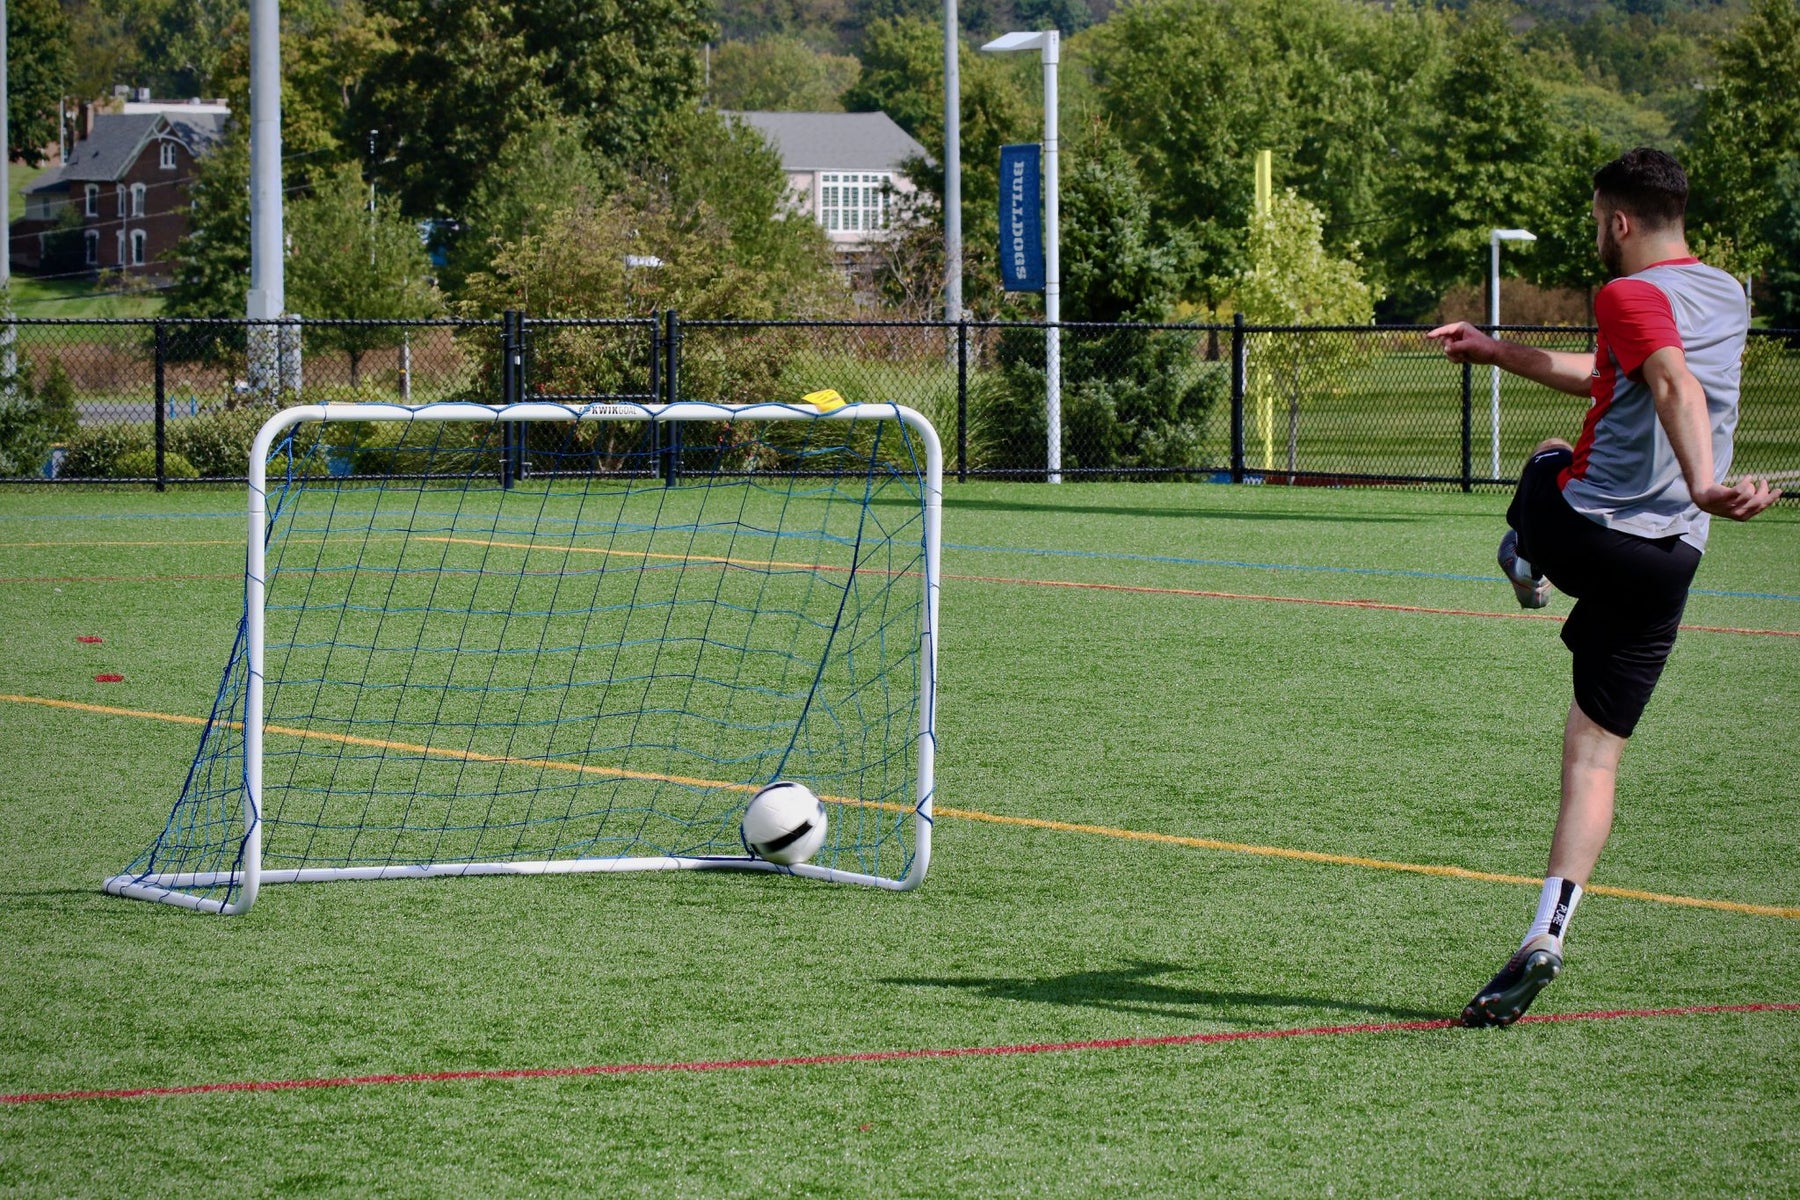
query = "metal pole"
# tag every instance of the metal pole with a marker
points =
(267, 297)
(672, 383)
(1494, 321)
(1052, 265)
(953, 303)
(509, 389)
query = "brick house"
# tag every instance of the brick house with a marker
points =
(844, 170)
(120, 199)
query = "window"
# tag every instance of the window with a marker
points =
(90, 248)
(121, 259)
(168, 156)
(137, 247)
(119, 189)
(137, 199)
(853, 201)
(93, 200)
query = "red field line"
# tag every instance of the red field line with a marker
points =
(874, 1056)
(1370, 604)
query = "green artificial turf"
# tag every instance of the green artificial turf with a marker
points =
(1421, 737)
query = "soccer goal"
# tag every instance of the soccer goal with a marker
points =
(537, 639)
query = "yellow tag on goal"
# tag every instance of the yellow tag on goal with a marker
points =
(824, 401)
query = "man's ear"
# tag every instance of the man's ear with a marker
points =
(1622, 223)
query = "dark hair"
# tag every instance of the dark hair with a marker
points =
(1646, 183)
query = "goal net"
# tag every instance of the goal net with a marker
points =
(541, 639)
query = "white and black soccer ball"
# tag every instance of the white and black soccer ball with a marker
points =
(784, 823)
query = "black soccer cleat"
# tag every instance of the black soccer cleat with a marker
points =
(1509, 993)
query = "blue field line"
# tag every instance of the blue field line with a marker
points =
(1120, 556)
(1039, 552)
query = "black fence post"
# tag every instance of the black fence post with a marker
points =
(162, 407)
(962, 402)
(1237, 397)
(671, 450)
(1468, 429)
(654, 436)
(512, 355)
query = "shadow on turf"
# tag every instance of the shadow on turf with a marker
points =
(1137, 989)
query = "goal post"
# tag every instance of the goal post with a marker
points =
(507, 640)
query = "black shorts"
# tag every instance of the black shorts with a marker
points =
(1629, 593)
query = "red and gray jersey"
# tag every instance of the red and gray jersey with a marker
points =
(1625, 475)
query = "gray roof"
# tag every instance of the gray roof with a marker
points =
(835, 141)
(117, 140)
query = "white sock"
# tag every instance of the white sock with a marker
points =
(1556, 904)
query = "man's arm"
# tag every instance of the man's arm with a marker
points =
(1462, 342)
(1681, 409)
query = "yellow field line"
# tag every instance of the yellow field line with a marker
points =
(610, 550)
(966, 814)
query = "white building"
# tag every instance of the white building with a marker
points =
(845, 170)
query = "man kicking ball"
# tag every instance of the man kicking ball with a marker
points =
(1619, 520)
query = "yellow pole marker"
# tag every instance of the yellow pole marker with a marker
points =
(966, 814)
(1265, 181)
(825, 401)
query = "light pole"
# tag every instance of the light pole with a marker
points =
(953, 303)
(1049, 41)
(1495, 237)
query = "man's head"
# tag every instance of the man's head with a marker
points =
(1642, 193)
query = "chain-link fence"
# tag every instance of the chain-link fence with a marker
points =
(162, 401)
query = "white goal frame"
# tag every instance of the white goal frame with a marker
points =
(250, 875)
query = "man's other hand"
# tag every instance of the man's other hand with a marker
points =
(1751, 495)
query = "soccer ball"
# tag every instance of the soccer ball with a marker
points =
(784, 823)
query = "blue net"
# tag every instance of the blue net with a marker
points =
(557, 641)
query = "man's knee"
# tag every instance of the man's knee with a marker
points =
(1554, 443)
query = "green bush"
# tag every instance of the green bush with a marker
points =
(141, 464)
(24, 438)
(95, 450)
(56, 403)
(217, 443)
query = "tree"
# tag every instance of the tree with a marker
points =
(903, 76)
(1197, 87)
(39, 68)
(1563, 255)
(1485, 156)
(467, 76)
(714, 167)
(1779, 299)
(1293, 280)
(349, 262)
(1132, 396)
(327, 47)
(539, 171)
(180, 44)
(780, 74)
(212, 264)
(1749, 126)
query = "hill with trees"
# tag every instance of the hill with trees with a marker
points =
(1409, 128)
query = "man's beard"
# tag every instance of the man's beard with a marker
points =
(1611, 257)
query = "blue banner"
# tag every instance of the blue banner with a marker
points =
(1021, 218)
